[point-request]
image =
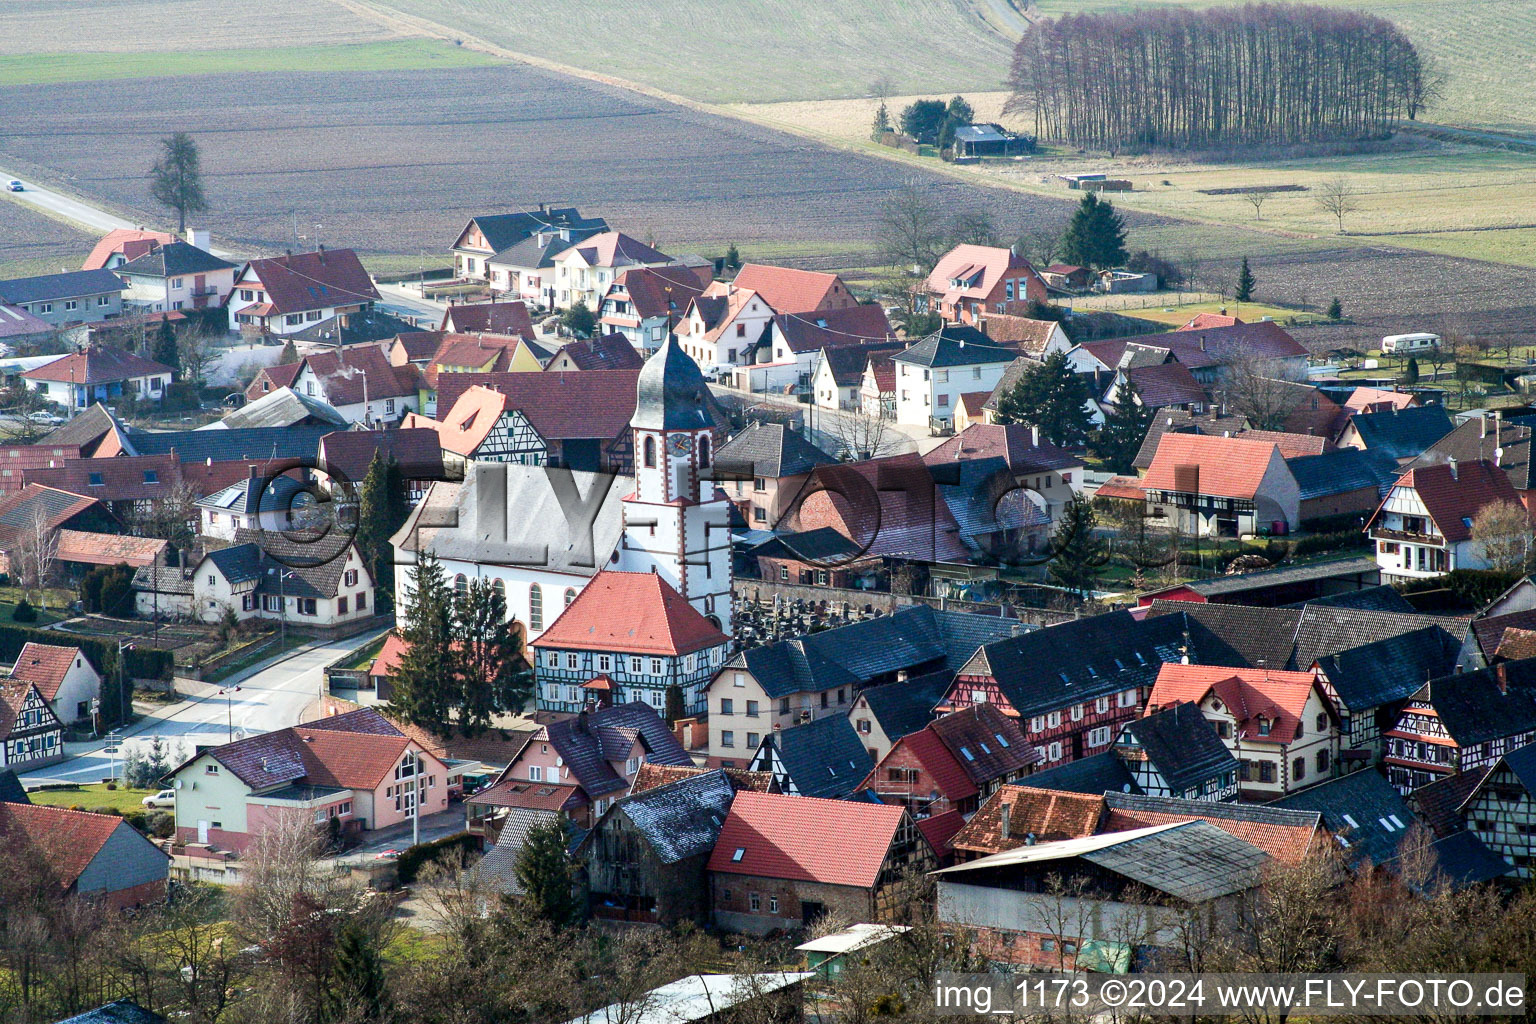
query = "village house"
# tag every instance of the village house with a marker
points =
(345, 456)
(1461, 723)
(602, 352)
(356, 768)
(598, 752)
(882, 715)
(75, 296)
(788, 290)
(99, 373)
(764, 468)
(130, 486)
(1019, 815)
(644, 304)
(789, 350)
(1369, 686)
(1340, 482)
(1400, 434)
(80, 552)
(1178, 752)
(1279, 725)
(585, 271)
(31, 735)
(509, 319)
(657, 643)
(1222, 486)
(64, 677)
(877, 387)
(1488, 438)
(1501, 809)
(1162, 386)
(97, 857)
(264, 575)
(822, 758)
(837, 374)
(176, 276)
(120, 245)
(284, 295)
(1127, 895)
(1052, 475)
(784, 862)
(646, 859)
(551, 230)
(1423, 527)
(953, 763)
(1030, 339)
(35, 514)
(360, 384)
(932, 374)
(1209, 353)
(792, 682)
(271, 505)
(722, 328)
(974, 280)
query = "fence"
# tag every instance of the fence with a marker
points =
(866, 603)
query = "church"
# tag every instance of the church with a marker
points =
(545, 535)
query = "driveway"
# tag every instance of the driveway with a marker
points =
(398, 837)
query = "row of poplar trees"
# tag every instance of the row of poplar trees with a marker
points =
(1166, 77)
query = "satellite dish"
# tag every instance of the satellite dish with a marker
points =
(177, 784)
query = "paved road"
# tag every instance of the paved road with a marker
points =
(58, 205)
(271, 695)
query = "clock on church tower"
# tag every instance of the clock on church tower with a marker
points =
(674, 524)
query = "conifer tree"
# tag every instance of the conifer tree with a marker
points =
(357, 992)
(382, 509)
(882, 122)
(1051, 396)
(1095, 236)
(674, 704)
(424, 686)
(166, 350)
(545, 873)
(289, 355)
(488, 657)
(1245, 283)
(1078, 556)
(1124, 428)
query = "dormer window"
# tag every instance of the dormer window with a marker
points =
(1264, 724)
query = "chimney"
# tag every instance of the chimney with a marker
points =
(253, 472)
(1029, 839)
(1482, 425)
(1501, 678)
(1452, 463)
(322, 253)
(581, 720)
(1034, 436)
(198, 237)
(1202, 339)
(1007, 820)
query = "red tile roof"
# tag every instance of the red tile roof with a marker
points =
(1223, 467)
(972, 401)
(869, 502)
(314, 280)
(604, 352)
(631, 611)
(659, 291)
(281, 376)
(389, 656)
(69, 840)
(612, 249)
(1166, 384)
(980, 266)
(940, 830)
(119, 239)
(1046, 814)
(1454, 495)
(1277, 695)
(45, 666)
(98, 364)
(1128, 487)
(1292, 446)
(489, 317)
(808, 839)
(18, 508)
(17, 459)
(108, 548)
(1205, 321)
(851, 326)
(127, 478)
(942, 766)
(1019, 332)
(574, 404)
(787, 290)
(1364, 399)
(347, 374)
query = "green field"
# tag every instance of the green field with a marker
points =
(751, 50)
(92, 796)
(387, 55)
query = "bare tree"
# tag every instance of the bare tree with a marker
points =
(173, 516)
(864, 437)
(912, 231)
(973, 227)
(195, 349)
(1502, 533)
(36, 554)
(1256, 200)
(1255, 389)
(1041, 244)
(1337, 197)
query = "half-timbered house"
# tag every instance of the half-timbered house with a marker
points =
(953, 763)
(1177, 752)
(31, 735)
(1501, 811)
(1462, 722)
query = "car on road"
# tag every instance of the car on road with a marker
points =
(387, 855)
(164, 798)
(15, 185)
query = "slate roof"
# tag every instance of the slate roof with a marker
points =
(1182, 746)
(313, 280)
(1454, 495)
(1463, 860)
(1439, 803)
(1050, 668)
(770, 450)
(1100, 773)
(579, 740)
(1342, 470)
(1284, 834)
(282, 407)
(681, 819)
(1390, 669)
(1193, 861)
(603, 352)
(256, 493)
(239, 563)
(1242, 582)
(68, 285)
(11, 789)
(260, 443)
(854, 326)
(503, 230)
(98, 364)
(121, 1011)
(1485, 438)
(955, 345)
(488, 318)
(1363, 808)
(802, 838)
(172, 259)
(824, 757)
(1403, 433)
(1017, 444)
(1046, 814)
(1472, 709)
(635, 612)
(1211, 346)
(1522, 761)
(788, 290)
(820, 546)
(906, 706)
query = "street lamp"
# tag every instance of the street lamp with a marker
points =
(282, 611)
(229, 716)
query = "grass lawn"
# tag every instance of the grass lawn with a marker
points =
(1166, 309)
(364, 655)
(93, 795)
(58, 600)
(386, 55)
(257, 654)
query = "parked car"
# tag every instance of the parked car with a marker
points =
(14, 185)
(164, 798)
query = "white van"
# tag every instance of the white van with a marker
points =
(1409, 343)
